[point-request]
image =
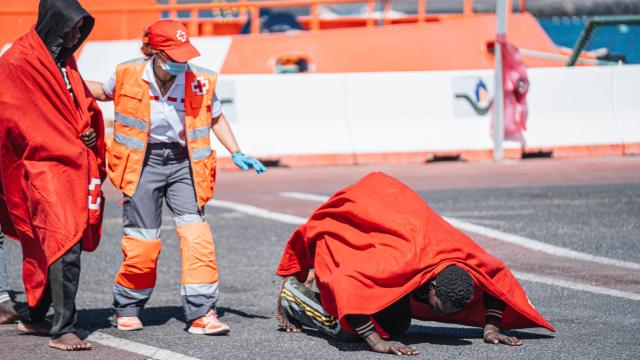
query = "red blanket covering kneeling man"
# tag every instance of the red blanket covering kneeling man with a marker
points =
(380, 256)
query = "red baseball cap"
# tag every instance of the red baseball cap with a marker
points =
(171, 37)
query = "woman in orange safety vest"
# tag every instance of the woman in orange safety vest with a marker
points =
(165, 108)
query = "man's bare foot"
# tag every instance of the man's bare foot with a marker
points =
(8, 313)
(69, 342)
(38, 328)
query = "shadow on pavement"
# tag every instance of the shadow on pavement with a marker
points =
(419, 334)
(222, 310)
(96, 319)
(437, 332)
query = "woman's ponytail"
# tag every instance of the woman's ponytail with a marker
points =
(146, 48)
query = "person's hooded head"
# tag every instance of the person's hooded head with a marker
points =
(63, 25)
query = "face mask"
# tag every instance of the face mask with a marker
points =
(173, 68)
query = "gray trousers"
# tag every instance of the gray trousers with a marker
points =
(62, 286)
(303, 306)
(166, 176)
(4, 282)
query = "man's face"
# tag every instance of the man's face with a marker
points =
(71, 37)
(427, 294)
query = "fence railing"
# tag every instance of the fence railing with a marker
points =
(591, 26)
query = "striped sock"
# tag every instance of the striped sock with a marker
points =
(493, 314)
(4, 297)
(366, 329)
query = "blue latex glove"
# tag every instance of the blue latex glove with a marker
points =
(245, 162)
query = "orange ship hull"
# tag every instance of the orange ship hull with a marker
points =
(409, 43)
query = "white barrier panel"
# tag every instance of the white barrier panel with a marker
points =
(289, 114)
(409, 112)
(626, 80)
(571, 107)
(98, 61)
(401, 112)
(415, 111)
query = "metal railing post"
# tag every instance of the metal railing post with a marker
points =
(422, 10)
(370, 9)
(315, 16)
(468, 7)
(255, 19)
(388, 7)
(522, 6)
(173, 14)
(498, 103)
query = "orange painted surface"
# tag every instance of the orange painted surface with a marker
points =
(316, 160)
(453, 44)
(18, 16)
(112, 25)
(420, 157)
(16, 24)
(632, 149)
(347, 44)
(588, 151)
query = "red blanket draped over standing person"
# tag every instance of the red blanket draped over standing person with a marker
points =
(50, 190)
(375, 241)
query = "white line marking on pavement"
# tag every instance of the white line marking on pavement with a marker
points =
(506, 237)
(296, 220)
(258, 212)
(138, 348)
(305, 196)
(576, 286)
(539, 245)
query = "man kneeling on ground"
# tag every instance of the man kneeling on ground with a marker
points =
(380, 256)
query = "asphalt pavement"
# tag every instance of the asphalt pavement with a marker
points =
(600, 218)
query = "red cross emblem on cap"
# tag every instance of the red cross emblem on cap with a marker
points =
(200, 85)
(181, 35)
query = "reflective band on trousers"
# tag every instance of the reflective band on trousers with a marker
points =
(132, 293)
(188, 219)
(199, 133)
(198, 289)
(129, 141)
(142, 234)
(202, 153)
(131, 122)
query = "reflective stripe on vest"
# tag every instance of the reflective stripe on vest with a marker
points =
(202, 153)
(129, 141)
(132, 122)
(200, 132)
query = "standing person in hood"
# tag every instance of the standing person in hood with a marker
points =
(165, 109)
(51, 166)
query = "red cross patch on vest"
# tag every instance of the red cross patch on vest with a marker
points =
(200, 85)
